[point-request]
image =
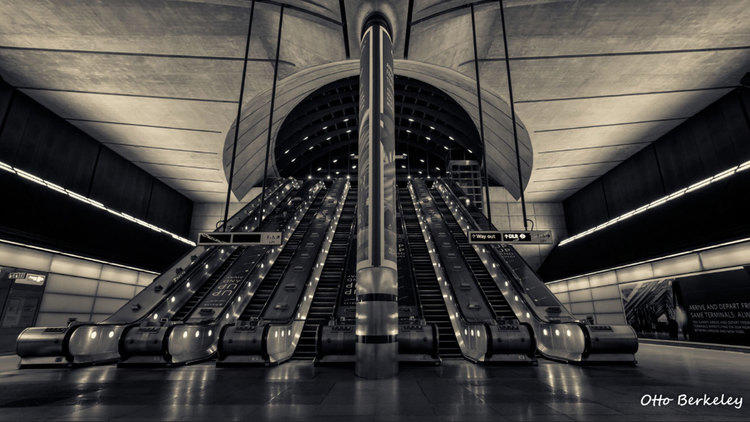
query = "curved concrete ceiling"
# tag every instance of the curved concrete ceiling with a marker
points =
(251, 146)
(158, 80)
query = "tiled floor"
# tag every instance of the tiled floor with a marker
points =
(455, 391)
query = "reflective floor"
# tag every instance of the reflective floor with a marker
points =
(455, 391)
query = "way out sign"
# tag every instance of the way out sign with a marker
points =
(239, 239)
(528, 237)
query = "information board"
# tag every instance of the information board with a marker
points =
(239, 239)
(531, 237)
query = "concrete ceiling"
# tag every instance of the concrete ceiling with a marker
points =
(158, 80)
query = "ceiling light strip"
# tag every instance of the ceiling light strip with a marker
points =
(695, 186)
(38, 180)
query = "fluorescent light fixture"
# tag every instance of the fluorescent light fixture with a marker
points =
(695, 186)
(97, 204)
(39, 248)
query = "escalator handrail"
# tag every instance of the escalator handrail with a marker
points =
(515, 279)
(318, 194)
(178, 281)
(468, 267)
(407, 251)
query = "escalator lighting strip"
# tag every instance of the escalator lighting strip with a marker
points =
(653, 204)
(38, 180)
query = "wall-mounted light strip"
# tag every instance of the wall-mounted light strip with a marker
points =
(58, 188)
(664, 258)
(695, 186)
(85, 258)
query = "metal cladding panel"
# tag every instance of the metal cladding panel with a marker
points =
(376, 235)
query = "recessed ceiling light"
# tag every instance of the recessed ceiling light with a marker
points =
(335, 160)
(408, 131)
(286, 152)
(470, 151)
(432, 127)
(311, 147)
(305, 138)
(451, 138)
(445, 147)
(325, 127)
(410, 119)
(328, 138)
(428, 138)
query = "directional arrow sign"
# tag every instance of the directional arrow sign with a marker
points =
(529, 237)
(239, 239)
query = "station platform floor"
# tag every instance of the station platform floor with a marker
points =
(457, 390)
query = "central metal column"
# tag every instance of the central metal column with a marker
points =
(377, 283)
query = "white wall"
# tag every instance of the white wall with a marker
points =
(76, 288)
(598, 294)
(507, 215)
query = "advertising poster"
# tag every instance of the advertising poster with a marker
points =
(712, 308)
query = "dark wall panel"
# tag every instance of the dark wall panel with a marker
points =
(14, 126)
(586, 205)
(169, 209)
(121, 185)
(35, 140)
(56, 151)
(705, 217)
(712, 141)
(636, 181)
(5, 93)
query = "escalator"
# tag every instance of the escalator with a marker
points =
(270, 282)
(89, 343)
(165, 342)
(331, 280)
(558, 335)
(207, 286)
(269, 328)
(491, 292)
(429, 293)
